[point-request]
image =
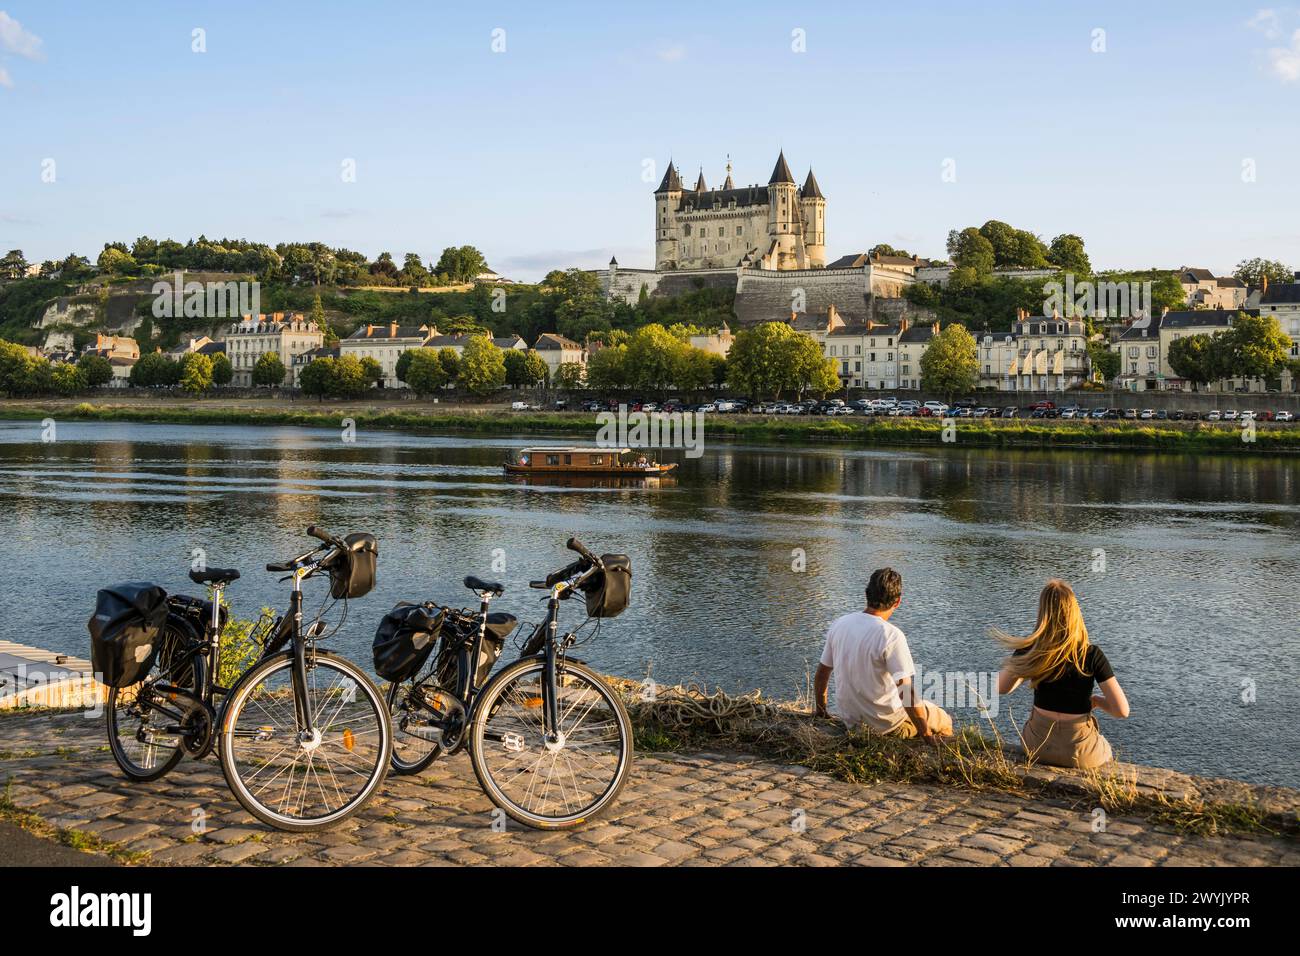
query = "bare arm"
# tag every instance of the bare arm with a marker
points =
(821, 680)
(1007, 683)
(1111, 699)
(913, 707)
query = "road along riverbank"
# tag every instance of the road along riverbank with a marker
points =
(1261, 438)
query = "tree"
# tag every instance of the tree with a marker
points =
(373, 371)
(116, 261)
(413, 273)
(318, 311)
(950, 364)
(1104, 360)
(350, 379)
(96, 370)
(969, 249)
(1066, 253)
(404, 363)
(1254, 346)
(223, 373)
(482, 366)
(1193, 357)
(460, 264)
(524, 368)
(535, 368)
(653, 358)
(153, 370)
(606, 368)
(885, 249)
(569, 376)
(425, 373)
(1253, 272)
(67, 379)
(772, 358)
(450, 360)
(13, 265)
(317, 378)
(269, 370)
(196, 373)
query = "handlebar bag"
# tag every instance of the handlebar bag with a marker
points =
(352, 574)
(404, 640)
(609, 592)
(125, 630)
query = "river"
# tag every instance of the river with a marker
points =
(1188, 568)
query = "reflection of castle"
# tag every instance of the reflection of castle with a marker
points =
(768, 245)
(780, 226)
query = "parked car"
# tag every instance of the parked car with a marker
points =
(1247, 416)
(1230, 415)
(936, 408)
(1147, 413)
(1098, 412)
(1044, 404)
(519, 406)
(1161, 415)
(1284, 416)
(1213, 415)
(1131, 413)
(1011, 411)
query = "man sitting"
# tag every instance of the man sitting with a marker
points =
(873, 669)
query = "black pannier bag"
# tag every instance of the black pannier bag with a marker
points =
(125, 631)
(609, 592)
(499, 627)
(197, 612)
(353, 572)
(405, 639)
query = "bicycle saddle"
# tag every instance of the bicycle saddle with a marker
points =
(214, 576)
(478, 584)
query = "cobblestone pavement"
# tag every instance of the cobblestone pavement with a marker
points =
(696, 810)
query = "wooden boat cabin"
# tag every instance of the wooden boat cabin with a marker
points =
(571, 459)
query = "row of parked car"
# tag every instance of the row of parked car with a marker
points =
(908, 407)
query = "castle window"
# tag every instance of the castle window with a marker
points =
(739, 230)
(721, 232)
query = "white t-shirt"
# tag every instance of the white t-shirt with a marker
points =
(868, 656)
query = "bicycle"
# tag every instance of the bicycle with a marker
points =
(304, 738)
(549, 740)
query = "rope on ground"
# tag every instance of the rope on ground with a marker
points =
(693, 708)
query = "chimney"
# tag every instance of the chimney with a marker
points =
(902, 325)
(936, 327)
(392, 329)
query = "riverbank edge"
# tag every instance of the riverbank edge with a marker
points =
(691, 720)
(1190, 438)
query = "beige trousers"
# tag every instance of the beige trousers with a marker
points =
(1075, 742)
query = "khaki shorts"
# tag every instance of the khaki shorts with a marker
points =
(1066, 743)
(936, 718)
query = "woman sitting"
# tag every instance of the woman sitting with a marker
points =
(1061, 665)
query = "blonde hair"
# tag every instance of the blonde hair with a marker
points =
(1059, 642)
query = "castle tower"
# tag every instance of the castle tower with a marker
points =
(667, 198)
(813, 205)
(784, 220)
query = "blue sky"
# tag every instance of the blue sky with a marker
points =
(537, 154)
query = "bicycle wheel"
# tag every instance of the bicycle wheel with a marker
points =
(417, 740)
(137, 735)
(551, 785)
(289, 780)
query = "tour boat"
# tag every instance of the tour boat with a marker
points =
(568, 459)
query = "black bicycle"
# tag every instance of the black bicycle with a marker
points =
(304, 737)
(550, 741)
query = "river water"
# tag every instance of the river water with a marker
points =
(1188, 568)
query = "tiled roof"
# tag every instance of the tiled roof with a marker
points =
(552, 340)
(918, 333)
(1283, 292)
(1201, 318)
(1197, 275)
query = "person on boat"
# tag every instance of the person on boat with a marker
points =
(1062, 665)
(873, 669)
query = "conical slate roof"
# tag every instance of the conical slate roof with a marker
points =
(810, 188)
(671, 180)
(700, 187)
(781, 174)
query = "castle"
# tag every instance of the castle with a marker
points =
(777, 227)
(768, 245)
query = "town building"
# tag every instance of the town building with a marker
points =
(301, 360)
(556, 350)
(1144, 345)
(715, 343)
(287, 336)
(1203, 290)
(385, 344)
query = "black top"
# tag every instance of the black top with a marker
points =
(1071, 693)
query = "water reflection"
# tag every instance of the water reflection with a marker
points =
(1199, 592)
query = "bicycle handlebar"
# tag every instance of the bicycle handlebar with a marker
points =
(574, 544)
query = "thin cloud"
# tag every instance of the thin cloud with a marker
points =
(1284, 62)
(671, 54)
(14, 39)
(5, 80)
(1267, 22)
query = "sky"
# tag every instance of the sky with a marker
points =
(1165, 134)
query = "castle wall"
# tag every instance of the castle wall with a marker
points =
(770, 295)
(719, 237)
